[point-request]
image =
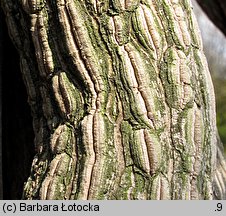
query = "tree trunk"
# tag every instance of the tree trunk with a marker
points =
(122, 101)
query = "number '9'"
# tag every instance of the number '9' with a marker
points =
(219, 206)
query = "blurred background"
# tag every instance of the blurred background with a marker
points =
(214, 43)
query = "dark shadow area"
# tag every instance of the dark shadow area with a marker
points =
(17, 129)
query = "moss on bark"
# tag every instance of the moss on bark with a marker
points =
(118, 84)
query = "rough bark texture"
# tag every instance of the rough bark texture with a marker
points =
(122, 100)
(216, 10)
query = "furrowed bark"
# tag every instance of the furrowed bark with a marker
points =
(122, 100)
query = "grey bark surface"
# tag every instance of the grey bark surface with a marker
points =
(122, 100)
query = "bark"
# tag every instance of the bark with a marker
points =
(216, 11)
(122, 100)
